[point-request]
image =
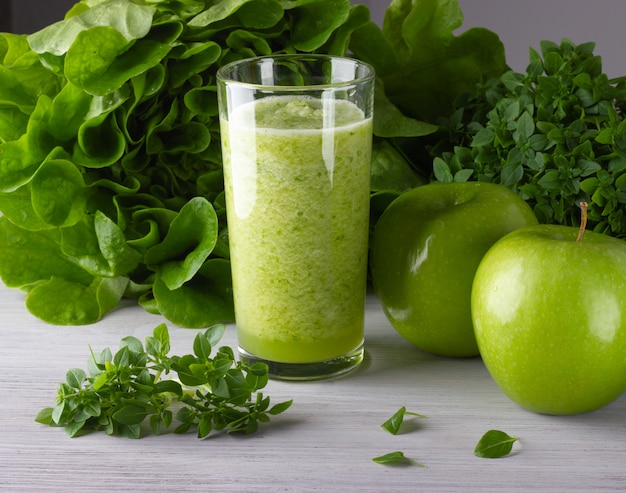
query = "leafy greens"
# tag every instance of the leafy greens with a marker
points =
(556, 134)
(111, 184)
(110, 166)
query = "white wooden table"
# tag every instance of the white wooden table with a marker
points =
(324, 442)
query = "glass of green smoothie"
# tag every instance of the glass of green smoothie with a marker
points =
(296, 136)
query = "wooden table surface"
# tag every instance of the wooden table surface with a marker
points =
(324, 442)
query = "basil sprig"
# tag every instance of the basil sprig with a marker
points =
(121, 391)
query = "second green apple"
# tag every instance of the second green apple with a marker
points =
(425, 250)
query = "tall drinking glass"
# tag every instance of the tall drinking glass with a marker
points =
(296, 141)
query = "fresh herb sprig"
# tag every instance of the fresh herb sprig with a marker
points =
(126, 389)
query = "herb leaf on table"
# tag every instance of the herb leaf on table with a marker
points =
(393, 424)
(396, 458)
(494, 444)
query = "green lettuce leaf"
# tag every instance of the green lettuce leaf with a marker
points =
(62, 302)
(423, 64)
(29, 257)
(189, 242)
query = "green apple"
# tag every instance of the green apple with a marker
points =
(425, 249)
(549, 314)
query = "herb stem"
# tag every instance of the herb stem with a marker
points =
(583, 221)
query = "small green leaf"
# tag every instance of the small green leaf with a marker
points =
(92, 408)
(45, 417)
(74, 427)
(204, 427)
(131, 414)
(494, 444)
(131, 431)
(75, 378)
(442, 171)
(396, 458)
(525, 127)
(202, 347)
(132, 343)
(158, 344)
(463, 175)
(57, 413)
(168, 386)
(100, 381)
(393, 424)
(484, 137)
(252, 426)
(215, 333)
(220, 389)
(280, 407)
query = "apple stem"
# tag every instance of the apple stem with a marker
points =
(583, 221)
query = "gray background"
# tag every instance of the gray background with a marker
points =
(519, 23)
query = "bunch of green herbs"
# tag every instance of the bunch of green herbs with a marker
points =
(126, 389)
(555, 134)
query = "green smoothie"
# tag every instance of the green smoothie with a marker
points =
(297, 191)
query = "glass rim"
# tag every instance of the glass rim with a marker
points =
(370, 75)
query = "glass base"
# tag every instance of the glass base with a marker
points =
(318, 370)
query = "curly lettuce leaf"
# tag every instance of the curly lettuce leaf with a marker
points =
(205, 298)
(61, 302)
(129, 19)
(422, 63)
(29, 257)
(189, 242)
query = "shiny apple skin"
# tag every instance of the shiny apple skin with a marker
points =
(425, 250)
(550, 318)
